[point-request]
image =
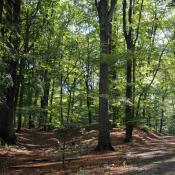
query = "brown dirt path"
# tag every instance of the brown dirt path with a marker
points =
(149, 154)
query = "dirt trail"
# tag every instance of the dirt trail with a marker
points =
(156, 159)
(149, 154)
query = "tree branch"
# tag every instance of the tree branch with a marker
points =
(113, 5)
(138, 26)
(145, 90)
(130, 13)
(97, 5)
(124, 19)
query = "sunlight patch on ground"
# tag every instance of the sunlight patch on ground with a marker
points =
(166, 161)
(149, 154)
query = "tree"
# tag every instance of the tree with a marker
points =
(131, 63)
(105, 13)
(12, 41)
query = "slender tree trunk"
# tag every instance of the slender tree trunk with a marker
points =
(131, 38)
(44, 100)
(30, 102)
(133, 82)
(19, 79)
(51, 103)
(20, 108)
(88, 98)
(87, 78)
(61, 99)
(70, 100)
(20, 76)
(115, 112)
(1, 10)
(162, 115)
(88, 102)
(69, 105)
(1, 13)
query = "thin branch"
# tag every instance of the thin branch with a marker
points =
(113, 5)
(138, 26)
(130, 13)
(37, 9)
(145, 90)
(124, 19)
(97, 5)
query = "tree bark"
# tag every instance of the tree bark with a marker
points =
(131, 62)
(51, 103)
(7, 110)
(61, 99)
(20, 108)
(162, 115)
(44, 100)
(88, 86)
(1, 9)
(129, 109)
(105, 17)
(88, 102)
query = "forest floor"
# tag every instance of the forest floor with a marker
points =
(40, 153)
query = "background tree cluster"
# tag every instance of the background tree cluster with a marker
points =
(49, 65)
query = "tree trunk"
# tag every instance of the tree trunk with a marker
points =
(69, 105)
(88, 102)
(7, 110)
(87, 77)
(105, 17)
(1, 13)
(88, 98)
(7, 132)
(30, 101)
(51, 103)
(19, 79)
(1, 9)
(44, 100)
(130, 70)
(61, 99)
(162, 115)
(20, 107)
(129, 105)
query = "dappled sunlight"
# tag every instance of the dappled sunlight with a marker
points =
(144, 155)
(42, 152)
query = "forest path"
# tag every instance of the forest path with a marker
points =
(149, 154)
(157, 158)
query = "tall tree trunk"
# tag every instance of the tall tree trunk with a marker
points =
(129, 110)
(105, 17)
(131, 41)
(7, 110)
